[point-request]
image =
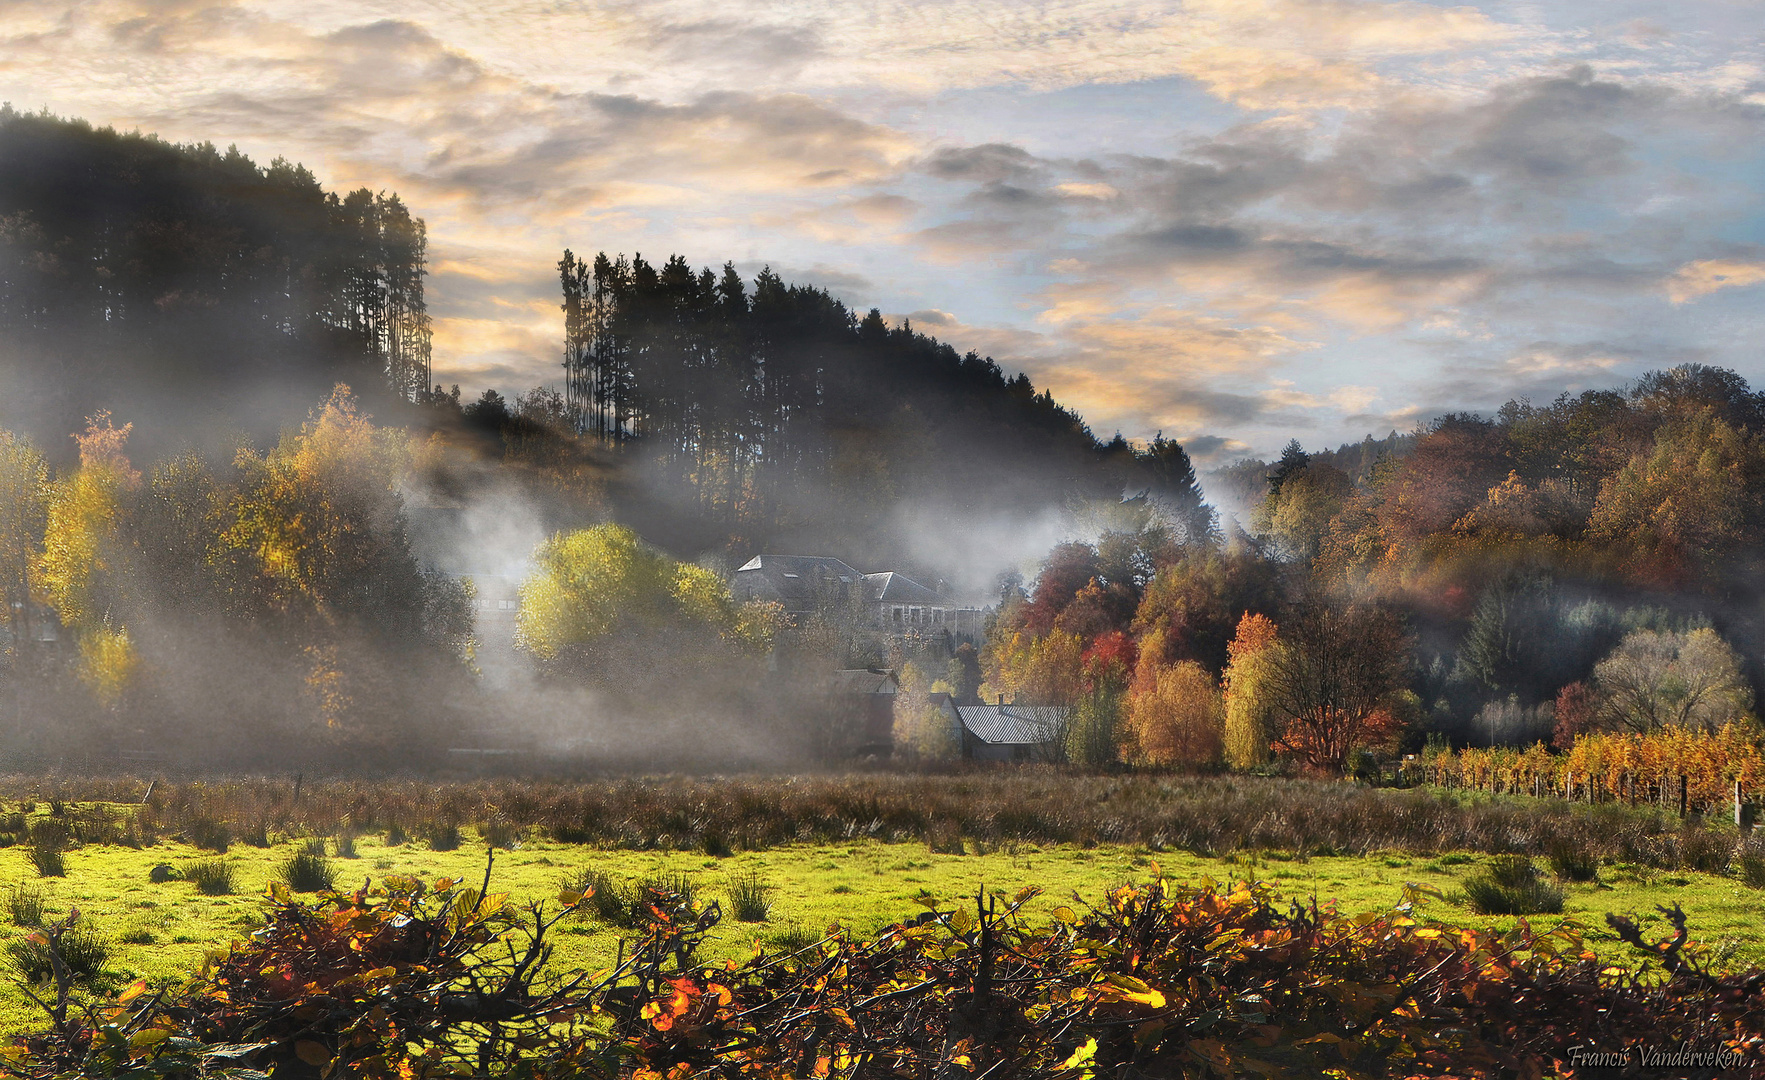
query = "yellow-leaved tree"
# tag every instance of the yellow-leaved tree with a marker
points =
(1175, 716)
(1251, 723)
(924, 729)
(84, 563)
(1030, 669)
(601, 604)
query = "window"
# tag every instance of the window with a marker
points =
(896, 614)
(508, 605)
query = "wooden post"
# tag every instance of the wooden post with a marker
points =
(1740, 817)
(151, 783)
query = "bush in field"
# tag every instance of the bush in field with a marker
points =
(747, 897)
(309, 871)
(443, 837)
(24, 902)
(48, 861)
(84, 953)
(1573, 862)
(1511, 885)
(212, 877)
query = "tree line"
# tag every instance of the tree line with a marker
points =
(1546, 574)
(778, 411)
(134, 268)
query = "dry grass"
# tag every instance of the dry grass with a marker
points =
(1204, 815)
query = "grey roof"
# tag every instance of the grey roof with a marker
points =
(794, 579)
(1013, 725)
(893, 588)
(864, 681)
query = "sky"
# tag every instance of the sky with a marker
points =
(1234, 222)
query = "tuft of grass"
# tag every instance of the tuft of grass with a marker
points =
(443, 837)
(213, 877)
(1573, 862)
(48, 861)
(208, 834)
(138, 935)
(791, 937)
(344, 842)
(609, 901)
(1511, 885)
(500, 832)
(24, 902)
(396, 836)
(309, 871)
(84, 953)
(747, 897)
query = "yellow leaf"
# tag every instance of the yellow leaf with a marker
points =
(570, 899)
(1064, 914)
(135, 990)
(1082, 1056)
(150, 1037)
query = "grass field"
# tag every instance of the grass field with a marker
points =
(162, 931)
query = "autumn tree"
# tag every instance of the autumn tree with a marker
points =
(24, 504)
(1175, 715)
(85, 564)
(1338, 681)
(1029, 669)
(1250, 726)
(925, 727)
(1697, 496)
(1663, 678)
(602, 606)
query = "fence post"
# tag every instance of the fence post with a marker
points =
(1739, 815)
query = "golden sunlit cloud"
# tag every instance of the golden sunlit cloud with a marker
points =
(1701, 278)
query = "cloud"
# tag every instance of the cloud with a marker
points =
(1705, 276)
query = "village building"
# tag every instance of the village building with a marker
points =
(891, 602)
(1007, 732)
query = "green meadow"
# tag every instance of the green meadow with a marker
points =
(162, 931)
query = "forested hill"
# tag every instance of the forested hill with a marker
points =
(178, 284)
(786, 421)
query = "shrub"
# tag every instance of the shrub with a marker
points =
(715, 842)
(49, 834)
(1510, 885)
(396, 836)
(138, 935)
(84, 953)
(500, 832)
(48, 861)
(747, 897)
(1572, 861)
(443, 837)
(208, 834)
(258, 835)
(24, 902)
(608, 901)
(309, 871)
(1751, 866)
(213, 877)
(345, 844)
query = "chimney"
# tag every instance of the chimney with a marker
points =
(1002, 700)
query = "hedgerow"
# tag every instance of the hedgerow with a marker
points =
(408, 979)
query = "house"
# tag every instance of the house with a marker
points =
(864, 710)
(889, 601)
(1008, 732)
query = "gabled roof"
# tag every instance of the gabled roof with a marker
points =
(795, 579)
(865, 681)
(1013, 725)
(893, 588)
(801, 564)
